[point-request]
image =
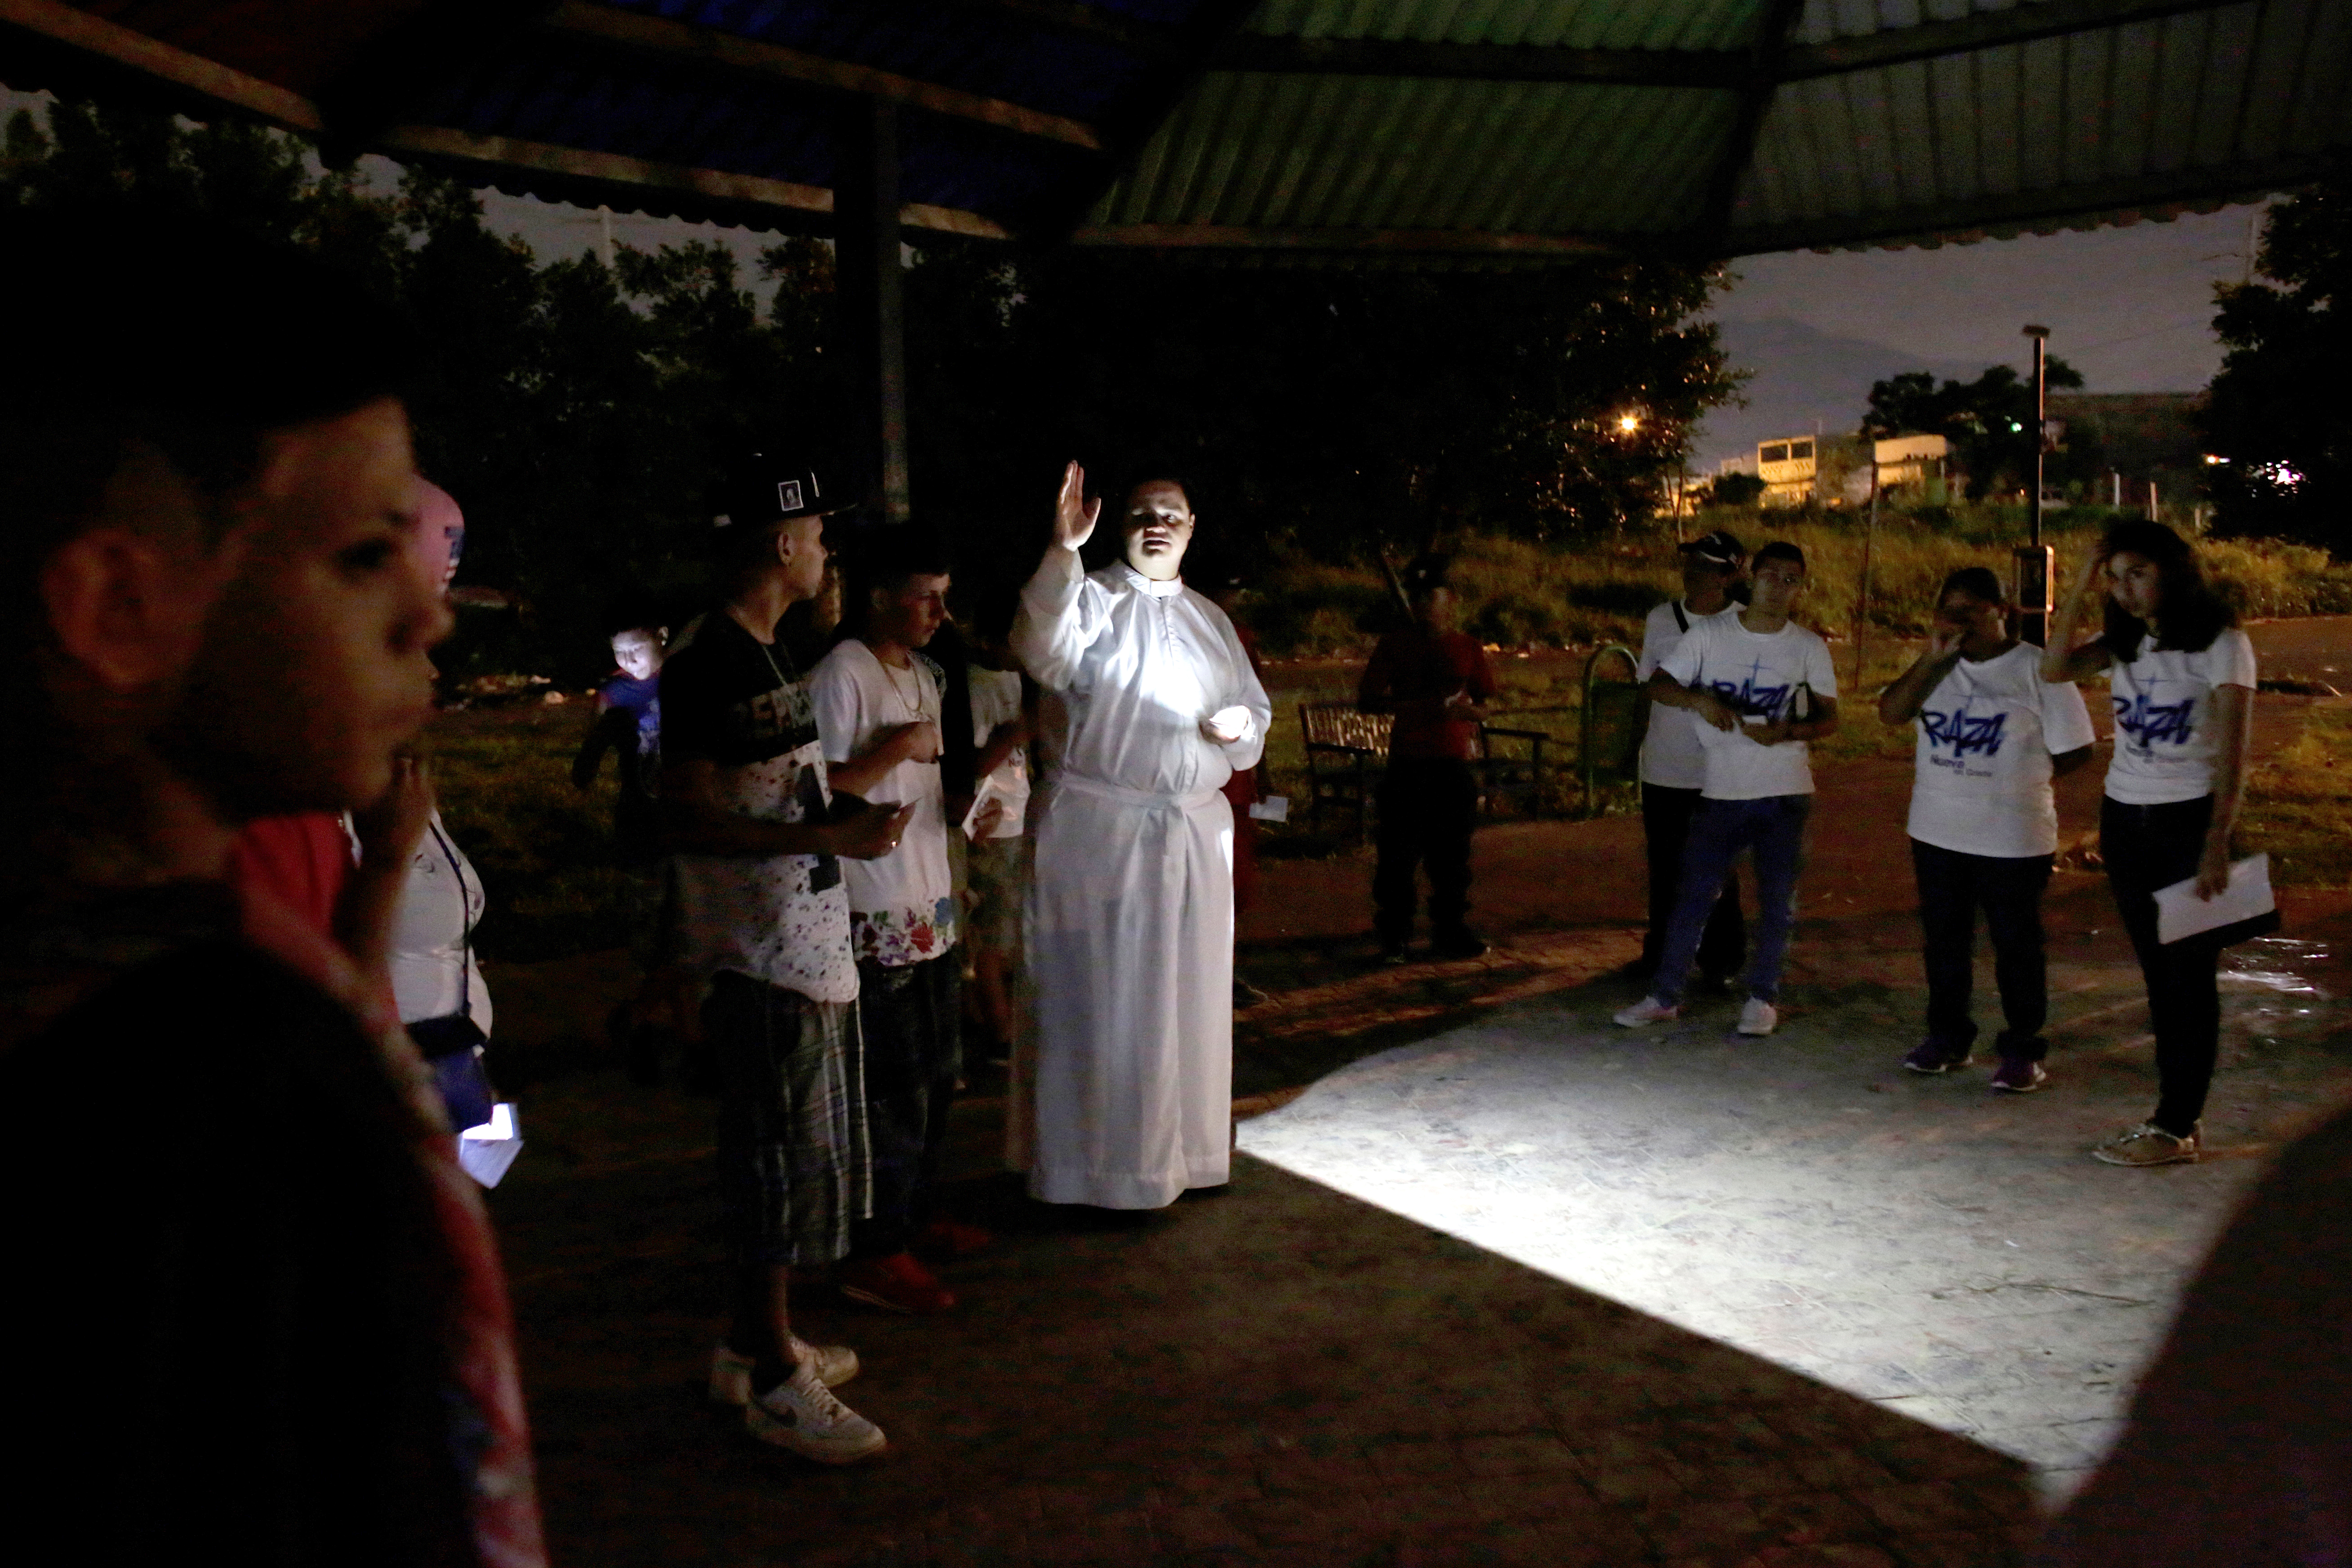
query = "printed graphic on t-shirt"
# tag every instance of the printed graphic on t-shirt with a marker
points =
(1754, 694)
(1955, 735)
(2151, 724)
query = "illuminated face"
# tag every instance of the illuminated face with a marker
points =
(638, 653)
(800, 546)
(313, 668)
(1159, 523)
(1776, 584)
(2135, 582)
(1973, 618)
(912, 613)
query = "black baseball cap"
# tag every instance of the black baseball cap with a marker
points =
(761, 489)
(1718, 548)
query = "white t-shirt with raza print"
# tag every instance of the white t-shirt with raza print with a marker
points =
(1986, 735)
(1758, 673)
(2163, 704)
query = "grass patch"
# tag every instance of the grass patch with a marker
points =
(2298, 803)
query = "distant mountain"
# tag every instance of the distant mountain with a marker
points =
(1803, 377)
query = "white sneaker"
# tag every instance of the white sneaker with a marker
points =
(1648, 1010)
(800, 1413)
(1758, 1016)
(730, 1372)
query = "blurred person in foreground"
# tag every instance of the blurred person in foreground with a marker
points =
(1130, 923)
(1434, 677)
(1984, 822)
(1674, 764)
(270, 1324)
(764, 918)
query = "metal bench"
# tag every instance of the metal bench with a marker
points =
(1347, 749)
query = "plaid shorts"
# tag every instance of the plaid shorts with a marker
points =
(794, 1164)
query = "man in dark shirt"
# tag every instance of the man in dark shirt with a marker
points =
(1435, 680)
(628, 724)
(256, 1313)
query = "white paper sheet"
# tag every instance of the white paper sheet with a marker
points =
(2180, 912)
(487, 1150)
(980, 798)
(1272, 808)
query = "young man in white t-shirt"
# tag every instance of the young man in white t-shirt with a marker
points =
(1674, 764)
(878, 710)
(2182, 680)
(1984, 825)
(748, 812)
(1762, 688)
(997, 863)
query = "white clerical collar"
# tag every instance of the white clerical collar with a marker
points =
(1151, 585)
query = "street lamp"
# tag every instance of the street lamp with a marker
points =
(2033, 563)
(1629, 423)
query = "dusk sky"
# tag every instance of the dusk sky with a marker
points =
(2130, 307)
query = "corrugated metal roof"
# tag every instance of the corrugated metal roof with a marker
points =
(1515, 128)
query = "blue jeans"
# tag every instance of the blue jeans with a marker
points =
(1773, 831)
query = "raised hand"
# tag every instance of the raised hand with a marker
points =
(1074, 514)
(1944, 642)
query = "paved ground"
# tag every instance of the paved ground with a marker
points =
(1503, 1284)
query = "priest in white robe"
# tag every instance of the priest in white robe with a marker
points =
(1130, 916)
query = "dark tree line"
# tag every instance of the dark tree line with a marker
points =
(2280, 413)
(579, 411)
(1990, 422)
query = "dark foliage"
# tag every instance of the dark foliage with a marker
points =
(2280, 412)
(579, 412)
(1989, 421)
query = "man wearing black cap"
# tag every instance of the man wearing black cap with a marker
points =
(1435, 680)
(1674, 765)
(763, 916)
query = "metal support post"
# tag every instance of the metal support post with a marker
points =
(2033, 565)
(872, 314)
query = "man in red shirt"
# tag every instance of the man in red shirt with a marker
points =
(1436, 682)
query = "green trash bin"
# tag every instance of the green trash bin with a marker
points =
(1608, 734)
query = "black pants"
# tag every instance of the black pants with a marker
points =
(1952, 888)
(2146, 847)
(912, 1017)
(1426, 809)
(1665, 829)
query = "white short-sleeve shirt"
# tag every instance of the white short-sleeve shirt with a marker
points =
(1981, 760)
(2163, 703)
(1671, 757)
(901, 905)
(1758, 675)
(996, 699)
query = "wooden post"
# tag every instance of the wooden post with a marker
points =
(1861, 600)
(873, 315)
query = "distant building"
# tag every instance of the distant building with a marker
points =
(1912, 460)
(1788, 468)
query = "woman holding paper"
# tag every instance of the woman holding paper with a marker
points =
(2182, 679)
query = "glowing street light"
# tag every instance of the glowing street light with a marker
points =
(1629, 423)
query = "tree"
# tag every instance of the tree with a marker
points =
(2279, 412)
(1989, 421)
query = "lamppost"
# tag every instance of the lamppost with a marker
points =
(2033, 564)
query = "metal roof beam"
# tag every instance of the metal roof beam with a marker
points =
(1482, 62)
(1767, 54)
(110, 45)
(1071, 19)
(1984, 30)
(500, 160)
(404, 66)
(1407, 241)
(1411, 57)
(638, 33)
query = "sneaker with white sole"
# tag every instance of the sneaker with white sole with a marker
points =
(2147, 1144)
(730, 1370)
(1758, 1016)
(1648, 1010)
(800, 1413)
(2015, 1076)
